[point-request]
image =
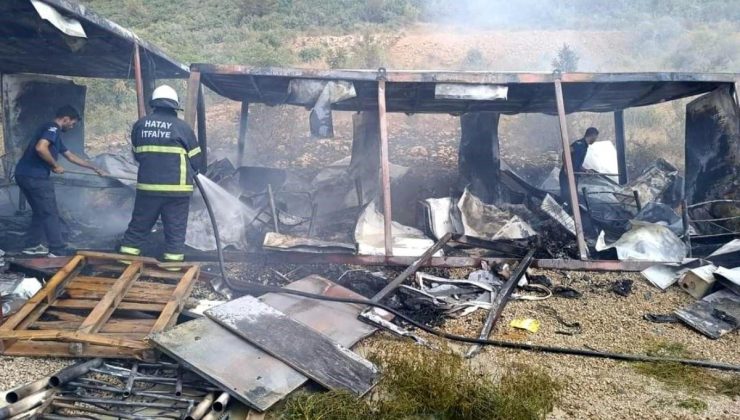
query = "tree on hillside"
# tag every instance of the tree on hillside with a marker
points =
(256, 8)
(566, 60)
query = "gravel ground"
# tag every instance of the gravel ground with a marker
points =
(594, 388)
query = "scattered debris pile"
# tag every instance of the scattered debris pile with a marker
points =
(714, 282)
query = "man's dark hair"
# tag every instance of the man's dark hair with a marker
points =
(68, 111)
(591, 131)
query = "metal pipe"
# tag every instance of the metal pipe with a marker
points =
(213, 415)
(178, 384)
(704, 203)
(131, 379)
(221, 402)
(637, 200)
(115, 402)
(412, 268)
(73, 372)
(21, 392)
(273, 209)
(582, 249)
(202, 408)
(26, 404)
(499, 302)
(94, 410)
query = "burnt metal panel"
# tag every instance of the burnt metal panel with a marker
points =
(308, 351)
(33, 100)
(251, 375)
(713, 151)
(479, 163)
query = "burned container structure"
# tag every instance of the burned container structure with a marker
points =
(48, 49)
(479, 99)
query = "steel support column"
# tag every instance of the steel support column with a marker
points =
(191, 102)
(201, 117)
(621, 146)
(573, 192)
(141, 102)
(243, 126)
(385, 170)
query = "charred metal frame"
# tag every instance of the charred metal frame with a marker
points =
(383, 78)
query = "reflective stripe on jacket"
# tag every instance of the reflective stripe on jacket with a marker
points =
(165, 147)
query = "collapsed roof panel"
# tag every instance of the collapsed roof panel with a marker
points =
(416, 91)
(62, 37)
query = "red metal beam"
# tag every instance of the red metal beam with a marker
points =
(441, 262)
(385, 171)
(582, 249)
(139, 82)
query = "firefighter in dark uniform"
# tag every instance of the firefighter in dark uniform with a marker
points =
(578, 150)
(168, 155)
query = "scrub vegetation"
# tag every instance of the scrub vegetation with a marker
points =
(690, 378)
(418, 383)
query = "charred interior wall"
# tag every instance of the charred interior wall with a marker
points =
(479, 160)
(29, 101)
(713, 147)
(365, 161)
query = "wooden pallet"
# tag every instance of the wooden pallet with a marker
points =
(78, 315)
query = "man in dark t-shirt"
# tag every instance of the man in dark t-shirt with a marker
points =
(578, 151)
(32, 176)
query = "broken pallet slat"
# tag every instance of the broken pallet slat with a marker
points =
(61, 349)
(99, 326)
(98, 282)
(131, 296)
(71, 336)
(89, 304)
(713, 316)
(35, 306)
(310, 352)
(177, 301)
(112, 326)
(105, 307)
(262, 380)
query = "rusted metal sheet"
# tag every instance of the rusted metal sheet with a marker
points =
(252, 376)
(713, 316)
(308, 351)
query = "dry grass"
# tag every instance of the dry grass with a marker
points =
(421, 383)
(690, 378)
